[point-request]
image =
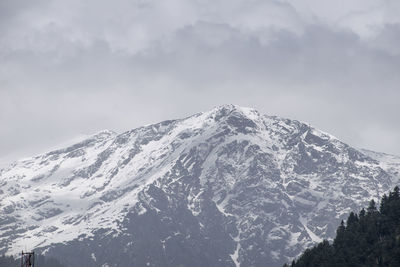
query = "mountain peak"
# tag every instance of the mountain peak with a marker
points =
(225, 176)
(231, 109)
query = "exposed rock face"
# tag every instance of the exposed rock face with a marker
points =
(221, 188)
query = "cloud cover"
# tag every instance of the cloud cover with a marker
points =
(73, 67)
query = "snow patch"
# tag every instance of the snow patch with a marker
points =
(313, 236)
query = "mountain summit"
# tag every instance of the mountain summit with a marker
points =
(227, 187)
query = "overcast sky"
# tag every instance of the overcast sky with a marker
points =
(75, 67)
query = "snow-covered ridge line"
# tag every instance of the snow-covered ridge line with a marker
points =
(268, 180)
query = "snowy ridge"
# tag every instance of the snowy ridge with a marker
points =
(275, 186)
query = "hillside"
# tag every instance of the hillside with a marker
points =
(226, 187)
(369, 238)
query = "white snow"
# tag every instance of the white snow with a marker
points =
(51, 181)
(313, 236)
(235, 255)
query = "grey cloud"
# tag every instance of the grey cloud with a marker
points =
(388, 39)
(65, 74)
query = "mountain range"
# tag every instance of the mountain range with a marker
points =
(226, 187)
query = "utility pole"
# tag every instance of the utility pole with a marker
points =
(28, 259)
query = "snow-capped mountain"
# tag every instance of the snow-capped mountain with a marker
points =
(220, 188)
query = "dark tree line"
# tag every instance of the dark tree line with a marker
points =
(370, 238)
(40, 261)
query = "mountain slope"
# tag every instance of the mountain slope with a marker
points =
(370, 238)
(219, 188)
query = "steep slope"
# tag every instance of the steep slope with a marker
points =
(389, 163)
(219, 188)
(370, 238)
